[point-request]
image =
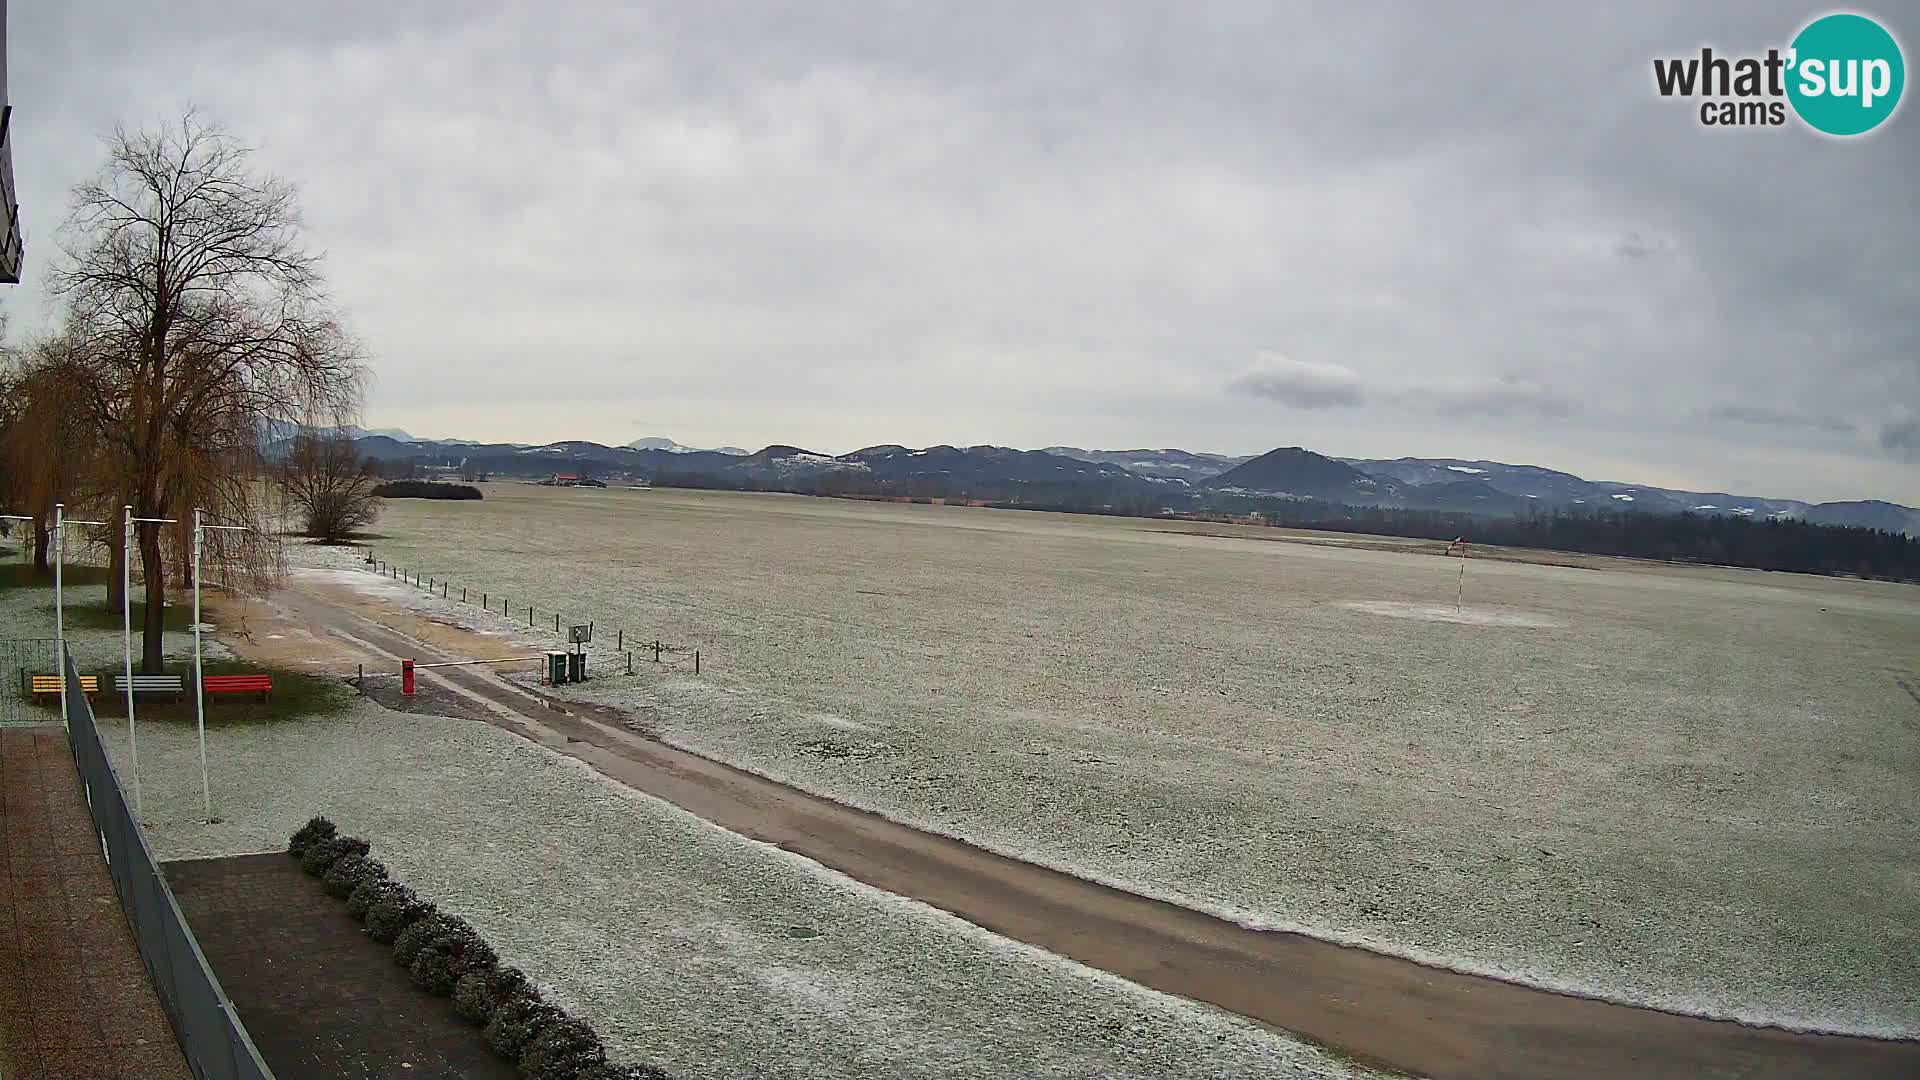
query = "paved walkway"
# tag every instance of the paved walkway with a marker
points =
(75, 999)
(352, 1014)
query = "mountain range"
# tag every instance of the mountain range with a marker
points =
(1179, 479)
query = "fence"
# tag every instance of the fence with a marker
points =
(655, 650)
(19, 658)
(216, 1044)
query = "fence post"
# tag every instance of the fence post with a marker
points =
(463, 594)
(696, 661)
(556, 622)
(619, 640)
(443, 589)
(629, 663)
(656, 650)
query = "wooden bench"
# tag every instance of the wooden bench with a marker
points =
(239, 684)
(52, 684)
(152, 684)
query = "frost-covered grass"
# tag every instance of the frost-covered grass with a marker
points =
(1691, 788)
(684, 944)
(94, 635)
(93, 628)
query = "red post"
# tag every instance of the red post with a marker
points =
(406, 677)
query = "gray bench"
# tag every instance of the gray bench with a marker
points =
(152, 684)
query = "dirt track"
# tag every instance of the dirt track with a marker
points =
(1383, 1010)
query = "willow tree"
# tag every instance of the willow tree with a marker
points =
(203, 322)
(43, 412)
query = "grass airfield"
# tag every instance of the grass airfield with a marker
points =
(1692, 788)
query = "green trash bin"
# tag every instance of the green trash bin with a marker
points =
(577, 666)
(556, 667)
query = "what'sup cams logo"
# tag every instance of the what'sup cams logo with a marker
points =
(1842, 75)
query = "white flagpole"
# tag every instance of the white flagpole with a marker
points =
(199, 689)
(59, 602)
(126, 637)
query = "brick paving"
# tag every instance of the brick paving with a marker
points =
(75, 999)
(320, 998)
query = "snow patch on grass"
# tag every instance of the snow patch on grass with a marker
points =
(1468, 616)
(672, 936)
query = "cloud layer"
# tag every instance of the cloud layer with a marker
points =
(1097, 224)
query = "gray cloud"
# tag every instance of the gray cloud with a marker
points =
(1303, 384)
(837, 225)
(1636, 245)
(1317, 385)
(1762, 416)
(1504, 396)
(1902, 437)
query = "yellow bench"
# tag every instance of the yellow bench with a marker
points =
(53, 684)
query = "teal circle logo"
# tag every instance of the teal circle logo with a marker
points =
(1846, 74)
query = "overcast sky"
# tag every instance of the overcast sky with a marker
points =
(1365, 228)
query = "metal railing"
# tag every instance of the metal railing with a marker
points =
(216, 1044)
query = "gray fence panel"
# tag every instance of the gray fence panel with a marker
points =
(216, 1044)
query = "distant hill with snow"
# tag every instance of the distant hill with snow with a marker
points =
(1168, 475)
(655, 442)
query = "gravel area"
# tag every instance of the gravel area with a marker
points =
(1684, 787)
(686, 945)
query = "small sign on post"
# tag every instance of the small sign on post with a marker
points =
(580, 635)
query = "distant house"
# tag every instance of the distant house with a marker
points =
(562, 479)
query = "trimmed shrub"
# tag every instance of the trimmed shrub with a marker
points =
(515, 1023)
(416, 937)
(442, 961)
(561, 1050)
(322, 854)
(368, 893)
(505, 983)
(470, 997)
(394, 912)
(349, 871)
(481, 990)
(317, 828)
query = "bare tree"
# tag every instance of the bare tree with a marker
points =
(201, 319)
(331, 488)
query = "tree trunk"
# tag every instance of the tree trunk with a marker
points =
(42, 548)
(153, 624)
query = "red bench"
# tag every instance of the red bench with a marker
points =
(239, 684)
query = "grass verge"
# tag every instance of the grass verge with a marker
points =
(296, 696)
(22, 575)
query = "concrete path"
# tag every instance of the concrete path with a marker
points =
(75, 999)
(1380, 1009)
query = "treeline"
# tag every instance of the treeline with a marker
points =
(425, 489)
(1764, 544)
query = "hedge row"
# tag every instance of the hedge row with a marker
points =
(446, 956)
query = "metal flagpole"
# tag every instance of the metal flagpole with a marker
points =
(60, 523)
(199, 683)
(59, 608)
(126, 640)
(199, 691)
(126, 630)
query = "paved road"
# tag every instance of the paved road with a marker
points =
(1382, 1010)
